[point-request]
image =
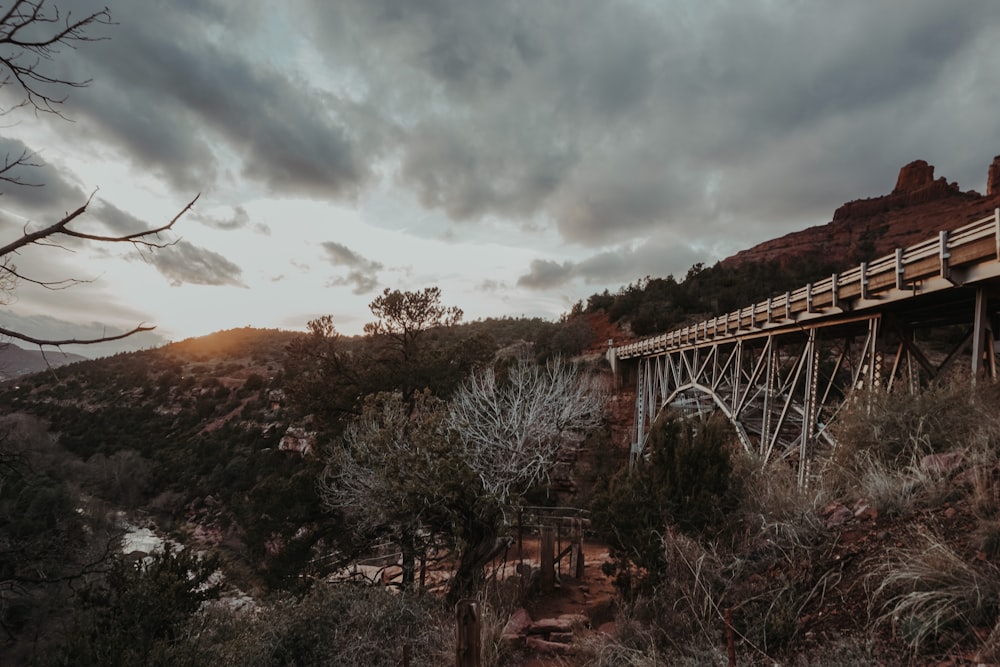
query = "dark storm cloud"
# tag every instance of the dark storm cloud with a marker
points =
(615, 119)
(184, 262)
(175, 97)
(362, 273)
(624, 117)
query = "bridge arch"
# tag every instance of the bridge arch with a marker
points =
(718, 402)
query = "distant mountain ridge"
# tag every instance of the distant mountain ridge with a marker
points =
(917, 208)
(16, 361)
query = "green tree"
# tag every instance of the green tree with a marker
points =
(327, 376)
(137, 612)
(403, 317)
(685, 483)
(390, 478)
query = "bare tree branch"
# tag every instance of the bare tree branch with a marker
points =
(22, 160)
(70, 341)
(140, 238)
(31, 34)
(25, 43)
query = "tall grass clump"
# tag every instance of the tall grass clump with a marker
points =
(891, 444)
(677, 622)
(892, 424)
(928, 589)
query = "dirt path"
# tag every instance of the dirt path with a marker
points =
(592, 596)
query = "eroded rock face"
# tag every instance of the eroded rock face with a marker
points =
(917, 208)
(913, 177)
(993, 178)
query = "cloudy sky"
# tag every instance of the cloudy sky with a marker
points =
(520, 154)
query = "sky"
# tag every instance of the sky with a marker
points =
(519, 154)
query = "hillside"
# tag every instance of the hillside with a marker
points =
(16, 361)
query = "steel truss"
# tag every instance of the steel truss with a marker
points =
(783, 388)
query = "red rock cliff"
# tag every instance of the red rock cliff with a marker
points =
(917, 208)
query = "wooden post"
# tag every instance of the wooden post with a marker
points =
(467, 646)
(548, 557)
(576, 555)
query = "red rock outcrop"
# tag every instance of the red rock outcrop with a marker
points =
(917, 208)
(993, 178)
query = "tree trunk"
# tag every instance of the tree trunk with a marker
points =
(480, 538)
(409, 559)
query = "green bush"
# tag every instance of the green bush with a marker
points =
(685, 482)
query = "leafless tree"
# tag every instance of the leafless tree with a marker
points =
(31, 34)
(513, 427)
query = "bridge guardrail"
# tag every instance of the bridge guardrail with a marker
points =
(905, 270)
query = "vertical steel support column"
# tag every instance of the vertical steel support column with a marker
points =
(640, 413)
(980, 335)
(765, 426)
(811, 355)
(872, 353)
(737, 364)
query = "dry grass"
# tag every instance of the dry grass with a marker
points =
(928, 588)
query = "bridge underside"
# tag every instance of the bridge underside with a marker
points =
(783, 387)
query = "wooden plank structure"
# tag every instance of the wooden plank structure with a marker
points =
(781, 369)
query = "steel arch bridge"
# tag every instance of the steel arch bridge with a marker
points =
(781, 370)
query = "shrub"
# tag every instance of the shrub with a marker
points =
(686, 482)
(332, 625)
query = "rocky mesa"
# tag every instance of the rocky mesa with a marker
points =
(917, 208)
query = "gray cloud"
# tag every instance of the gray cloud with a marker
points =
(655, 257)
(545, 274)
(362, 273)
(239, 219)
(611, 119)
(174, 98)
(705, 115)
(184, 262)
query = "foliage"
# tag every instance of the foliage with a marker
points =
(409, 347)
(49, 538)
(135, 614)
(332, 625)
(894, 425)
(394, 474)
(423, 472)
(327, 374)
(402, 317)
(654, 305)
